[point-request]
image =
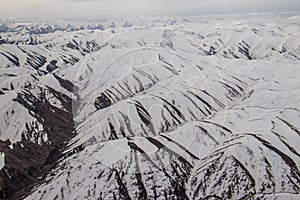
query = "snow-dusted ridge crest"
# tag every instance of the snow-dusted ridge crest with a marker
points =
(156, 108)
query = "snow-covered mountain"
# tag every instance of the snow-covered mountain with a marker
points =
(151, 108)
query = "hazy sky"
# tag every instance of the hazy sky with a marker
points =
(90, 9)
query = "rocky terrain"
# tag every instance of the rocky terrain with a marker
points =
(203, 107)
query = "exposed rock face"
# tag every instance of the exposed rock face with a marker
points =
(41, 146)
(202, 109)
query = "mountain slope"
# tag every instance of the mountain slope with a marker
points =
(201, 109)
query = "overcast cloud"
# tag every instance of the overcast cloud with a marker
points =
(92, 9)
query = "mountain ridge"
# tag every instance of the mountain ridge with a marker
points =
(201, 109)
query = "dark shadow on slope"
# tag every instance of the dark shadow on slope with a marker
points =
(31, 159)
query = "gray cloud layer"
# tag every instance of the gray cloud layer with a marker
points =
(118, 8)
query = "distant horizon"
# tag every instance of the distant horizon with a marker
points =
(104, 19)
(114, 9)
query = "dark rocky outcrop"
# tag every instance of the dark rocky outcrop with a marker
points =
(32, 158)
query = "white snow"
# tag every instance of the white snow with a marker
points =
(2, 160)
(196, 100)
